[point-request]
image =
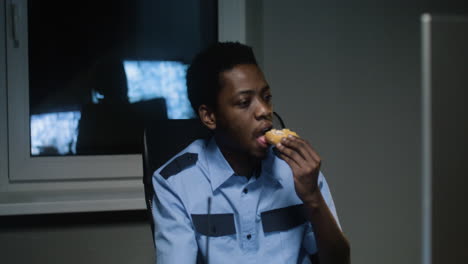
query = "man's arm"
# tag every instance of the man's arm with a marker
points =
(332, 245)
(173, 233)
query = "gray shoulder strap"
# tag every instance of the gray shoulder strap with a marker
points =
(179, 164)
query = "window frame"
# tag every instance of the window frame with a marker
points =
(70, 183)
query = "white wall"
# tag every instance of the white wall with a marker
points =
(346, 76)
(92, 238)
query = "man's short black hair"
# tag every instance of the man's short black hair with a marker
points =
(203, 75)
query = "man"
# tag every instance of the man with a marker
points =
(233, 198)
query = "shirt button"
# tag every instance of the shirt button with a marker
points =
(245, 191)
(249, 236)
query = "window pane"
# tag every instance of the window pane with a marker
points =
(99, 70)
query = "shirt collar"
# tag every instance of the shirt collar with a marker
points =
(220, 170)
(270, 168)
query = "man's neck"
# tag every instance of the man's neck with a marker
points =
(241, 163)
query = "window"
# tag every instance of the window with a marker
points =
(42, 172)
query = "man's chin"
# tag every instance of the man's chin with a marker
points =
(260, 154)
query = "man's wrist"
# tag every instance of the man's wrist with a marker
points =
(314, 200)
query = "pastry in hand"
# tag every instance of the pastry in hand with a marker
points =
(274, 136)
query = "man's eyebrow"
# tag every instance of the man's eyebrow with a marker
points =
(249, 92)
(266, 88)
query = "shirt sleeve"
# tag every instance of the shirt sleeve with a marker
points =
(309, 241)
(173, 230)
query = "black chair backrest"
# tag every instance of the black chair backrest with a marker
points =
(162, 140)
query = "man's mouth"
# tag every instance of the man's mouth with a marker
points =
(262, 141)
(261, 138)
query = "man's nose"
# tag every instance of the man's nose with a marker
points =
(264, 110)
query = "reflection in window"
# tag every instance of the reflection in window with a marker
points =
(159, 79)
(54, 133)
(110, 61)
(57, 133)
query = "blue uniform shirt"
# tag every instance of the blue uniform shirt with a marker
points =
(256, 220)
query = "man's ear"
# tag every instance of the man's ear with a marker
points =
(207, 116)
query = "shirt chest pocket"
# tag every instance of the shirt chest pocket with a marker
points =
(216, 231)
(214, 225)
(218, 228)
(284, 228)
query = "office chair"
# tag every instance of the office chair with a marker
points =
(162, 140)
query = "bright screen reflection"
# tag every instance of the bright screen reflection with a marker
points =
(57, 133)
(54, 133)
(155, 79)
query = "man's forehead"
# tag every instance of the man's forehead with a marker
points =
(244, 78)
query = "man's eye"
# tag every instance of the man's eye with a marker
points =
(267, 98)
(244, 103)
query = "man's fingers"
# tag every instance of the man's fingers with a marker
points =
(300, 146)
(312, 152)
(293, 164)
(290, 153)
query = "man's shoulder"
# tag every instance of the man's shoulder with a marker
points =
(186, 161)
(179, 164)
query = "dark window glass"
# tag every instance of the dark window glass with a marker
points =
(100, 70)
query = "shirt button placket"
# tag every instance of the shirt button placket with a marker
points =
(249, 222)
